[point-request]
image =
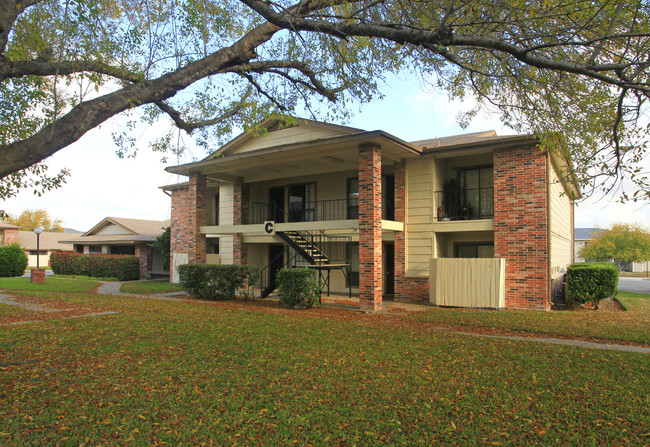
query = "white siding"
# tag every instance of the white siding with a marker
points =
(286, 136)
(112, 229)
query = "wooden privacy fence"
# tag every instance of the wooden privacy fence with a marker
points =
(462, 282)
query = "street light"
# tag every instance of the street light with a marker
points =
(38, 231)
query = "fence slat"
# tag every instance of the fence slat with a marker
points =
(472, 283)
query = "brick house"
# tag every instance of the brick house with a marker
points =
(370, 211)
(8, 233)
(120, 236)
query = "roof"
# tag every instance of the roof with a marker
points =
(457, 139)
(6, 226)
(48, 240)
(132, 226)
(585, 234)
(122, 231)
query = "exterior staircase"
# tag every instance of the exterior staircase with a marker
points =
(307, 249)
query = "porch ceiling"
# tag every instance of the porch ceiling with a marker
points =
(305, 158)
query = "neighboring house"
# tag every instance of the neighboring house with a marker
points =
(49, 242)
(8, 233)
(119, 236)
(371, 211)
(582, 238)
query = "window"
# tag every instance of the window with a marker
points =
(353, 198)
(477, 187)
(302, 203)
(94, 248)
(481, 250)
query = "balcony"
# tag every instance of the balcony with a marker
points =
(320, 210)
(464, 204)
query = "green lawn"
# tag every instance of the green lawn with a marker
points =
(228, 374)
(148, 287)
(51, 284)
(631, 326)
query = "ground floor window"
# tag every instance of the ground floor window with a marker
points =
(480, 250)
(122, 250)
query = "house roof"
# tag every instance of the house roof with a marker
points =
(6, 226)
(120, 230)
(457, 139)
(48, 240)
(585, 234)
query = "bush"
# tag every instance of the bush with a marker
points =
(217, 282)
(591, 281)
(298, 287)
(13, 260)
(122, 267)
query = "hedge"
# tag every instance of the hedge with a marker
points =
(591, 281)
(218, 282)
(122, 267)
(13, 260)
(298, 287)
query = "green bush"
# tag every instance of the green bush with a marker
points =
(13, 260)
(122, 267)
(591, 281)
(298, 287)
(218, 282)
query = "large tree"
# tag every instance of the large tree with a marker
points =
(30, 219)
(575, 73)
(623, 243)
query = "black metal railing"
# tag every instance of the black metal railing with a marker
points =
(318, 210)
(464, 204)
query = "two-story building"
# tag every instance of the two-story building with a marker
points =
(370, 211)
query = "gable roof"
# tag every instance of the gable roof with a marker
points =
(125, 231)
(47, 241)
(457, 139)
(259, 136)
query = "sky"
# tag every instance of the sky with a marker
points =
(102, 185)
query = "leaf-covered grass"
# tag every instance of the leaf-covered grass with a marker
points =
(188, 373)
(631, 326)
(149, 287)
(7, 310)
(51, 284)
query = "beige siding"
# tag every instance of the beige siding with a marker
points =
(112, 229)
(212, 258)
(226, 254)
(43, 259)
(226, 192)
(420, 246)
(474, 283)
(286, 136)
(560, 223)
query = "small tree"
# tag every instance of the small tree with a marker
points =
(624, 243)
(163, 244)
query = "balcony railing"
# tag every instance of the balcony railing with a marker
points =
(338, 209)
(464, 204)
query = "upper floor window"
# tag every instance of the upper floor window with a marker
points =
(353, 198)
(477, 186)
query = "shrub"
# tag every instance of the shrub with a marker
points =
(122, 267)
(217, 282)
(298, 287)
(591, 281)
(13, 260)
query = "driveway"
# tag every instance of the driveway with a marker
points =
(640, 285)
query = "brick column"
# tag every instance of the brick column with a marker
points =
(141, 253)
(400, 236)
(239, 252)
(196, 217)
(521, 225)
(370, 256)
(179, 230)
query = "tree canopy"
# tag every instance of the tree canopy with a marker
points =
(30, 219)
(623, 243)
(574, 73)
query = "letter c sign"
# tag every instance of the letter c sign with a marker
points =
(269, 227)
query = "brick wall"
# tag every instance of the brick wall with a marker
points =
(521, 225)
(239, 252)
(370, 243)
(10, 236)
(400, 236)
(189, 213)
